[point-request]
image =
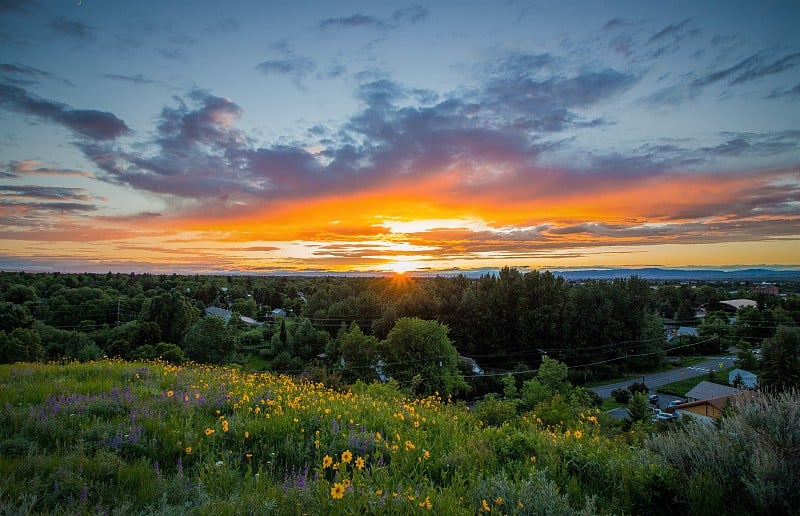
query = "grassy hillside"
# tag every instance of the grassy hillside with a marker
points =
(119, 437)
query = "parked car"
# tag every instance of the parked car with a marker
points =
(675, 403)
(653, 399)
(659, 415)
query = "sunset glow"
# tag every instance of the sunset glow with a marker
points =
(289, 140)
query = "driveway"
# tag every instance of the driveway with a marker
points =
(655, 380)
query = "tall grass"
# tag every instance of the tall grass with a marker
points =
(143, 438)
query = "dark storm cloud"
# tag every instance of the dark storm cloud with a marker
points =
(72, 29)
(94, 124)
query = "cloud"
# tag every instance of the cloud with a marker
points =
(45, 192)
(297, 67)
(355, 20)
(616, 23)
(172, 54)
(550, 104)
(224, 25)
(671, 31)
(405, 16)
(16, 169)
(22, 75)
(135, 79)
(96, 125)
(790, 93)
(10, 6)
(75, 30)
(747, 69)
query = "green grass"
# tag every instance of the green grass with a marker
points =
(144, 438)
(681, 387)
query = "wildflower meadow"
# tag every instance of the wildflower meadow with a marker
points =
(115, 437)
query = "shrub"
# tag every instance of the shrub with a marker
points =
(493, 411)
(750, 457)
(621, 395)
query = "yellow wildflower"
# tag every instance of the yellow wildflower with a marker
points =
(347, 456)
(485, 506)
(327, 461)
(209, 431)
(188, 450)
(578, 434)
(337, 491)
(426, 503)
(498, 500)
(170, 394)
(360, 463)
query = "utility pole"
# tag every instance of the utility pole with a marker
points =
(118, 320)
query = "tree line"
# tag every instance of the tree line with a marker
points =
(346, 326)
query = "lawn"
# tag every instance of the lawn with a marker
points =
(681, 387)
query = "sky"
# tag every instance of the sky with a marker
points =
(345, 136)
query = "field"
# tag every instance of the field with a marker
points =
(114, 437)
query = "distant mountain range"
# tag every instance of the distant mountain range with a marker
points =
(659, 274)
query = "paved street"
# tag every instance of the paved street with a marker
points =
(655, 380)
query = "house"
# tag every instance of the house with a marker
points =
(746, 378)
(770, 289)
(708, 409)
(226, 315)
(467, 363)
(736, 304)
(278, 312)
(219, 312)
(682, 331)
(709, 390)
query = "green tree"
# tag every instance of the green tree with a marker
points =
(172, 312)
(780, 360)
(22, 345)
(638, 407)
(209, 341)
(745, 358)
(359, 353)
(418, 347)
(553, 375)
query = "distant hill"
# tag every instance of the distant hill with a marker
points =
(659, 274)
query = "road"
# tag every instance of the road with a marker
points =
(655, 380)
